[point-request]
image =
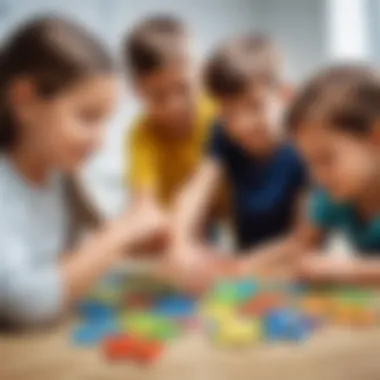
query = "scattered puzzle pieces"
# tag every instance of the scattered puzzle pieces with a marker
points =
(134, 319)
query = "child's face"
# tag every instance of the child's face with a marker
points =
(68, 127)
(253, 119)
(169, 96)
(339, 162)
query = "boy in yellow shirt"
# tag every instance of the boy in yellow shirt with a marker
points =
(167, 140)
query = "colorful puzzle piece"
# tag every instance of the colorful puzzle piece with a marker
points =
(175, 306)
(238, 332)
(285, 324)
(123, 347)
(149, 326)
(91, 333)
(92, 310)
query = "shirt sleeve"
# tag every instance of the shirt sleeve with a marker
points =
(142, 164)
(217, 146)
(28, 293)
(321, 211)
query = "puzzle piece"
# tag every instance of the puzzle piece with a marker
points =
(149, 326)
(123, 347)
(285, 324)
(175, 306)
(262, 304)
(92, 310)
(317, 306)
(238, 332)
(91, 333)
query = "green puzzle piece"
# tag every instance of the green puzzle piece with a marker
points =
(149, 326)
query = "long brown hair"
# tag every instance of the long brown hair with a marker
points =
(53, 52)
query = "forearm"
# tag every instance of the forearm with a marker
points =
(193, 203)
(318, 268)
(288, 250)
(284, 250)
(102, 250)
(85, 265)
(364, 271)
(187, 216)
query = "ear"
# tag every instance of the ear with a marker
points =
(21, 92)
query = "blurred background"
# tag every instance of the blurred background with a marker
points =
(310, 32)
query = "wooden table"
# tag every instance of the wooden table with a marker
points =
(331, 354)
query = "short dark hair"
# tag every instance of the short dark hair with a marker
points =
(55, 53)
(344, 96)
(234, 64)
(152, 43)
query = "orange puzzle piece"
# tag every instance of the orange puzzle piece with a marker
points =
(124, 347)
(263, 303)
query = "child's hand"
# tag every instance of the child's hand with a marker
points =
(190, 266)
(148, 223)
(324, 269)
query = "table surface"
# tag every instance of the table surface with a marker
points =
(331, 354)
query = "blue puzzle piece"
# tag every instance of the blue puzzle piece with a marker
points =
(282, 324)
(95, 311)
(89, 334)
(175, 306)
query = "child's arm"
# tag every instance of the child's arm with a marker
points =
(304, 237)
(35, 293)
(192, 206)
(318, 268)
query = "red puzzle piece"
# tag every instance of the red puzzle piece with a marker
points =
(124, 347)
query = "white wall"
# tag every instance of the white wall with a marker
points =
(298, 25)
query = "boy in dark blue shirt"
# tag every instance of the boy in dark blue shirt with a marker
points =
(264, 189)
(248, 151)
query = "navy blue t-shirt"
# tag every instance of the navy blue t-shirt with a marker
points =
(264, 192)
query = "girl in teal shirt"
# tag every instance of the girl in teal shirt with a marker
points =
(335, 122)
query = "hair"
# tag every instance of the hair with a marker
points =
(152, 43)
(345, 97)
(232, 67)
(54, 53)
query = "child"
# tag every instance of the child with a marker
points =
(167, 139)
(335, 122)
(57, 87)
(266, 175)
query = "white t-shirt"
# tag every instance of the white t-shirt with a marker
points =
(34, 225)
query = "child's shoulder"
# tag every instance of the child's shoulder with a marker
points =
(206, 111)
(138, 129)
(324, 210)
(288, 149)
(287, 155)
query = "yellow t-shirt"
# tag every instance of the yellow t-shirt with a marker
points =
(163, 165)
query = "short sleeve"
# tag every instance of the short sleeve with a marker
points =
(322, 211)
(28, 293)
(139, 153)
(217, 146)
